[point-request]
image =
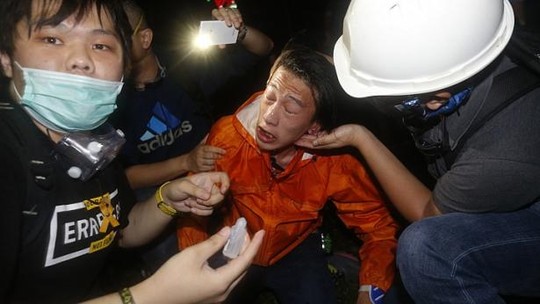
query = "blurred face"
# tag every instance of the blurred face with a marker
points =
(286, 112)
(89, 48)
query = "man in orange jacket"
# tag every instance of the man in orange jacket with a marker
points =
(282, 188)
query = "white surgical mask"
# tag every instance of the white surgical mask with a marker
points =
(67, 102)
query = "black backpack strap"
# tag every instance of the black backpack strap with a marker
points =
(524, 48)
(506, 88)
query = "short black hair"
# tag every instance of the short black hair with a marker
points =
(319, 74)
(14, 11)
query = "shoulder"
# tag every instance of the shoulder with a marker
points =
(239, 127)
(223, 132)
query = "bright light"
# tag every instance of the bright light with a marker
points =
(202, 41)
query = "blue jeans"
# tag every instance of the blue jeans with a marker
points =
(472, 258)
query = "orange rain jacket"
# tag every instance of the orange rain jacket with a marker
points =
(288, 206)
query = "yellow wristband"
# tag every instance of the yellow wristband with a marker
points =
(164, 207)
(125, 295)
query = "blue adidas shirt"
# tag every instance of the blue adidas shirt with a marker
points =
(160, 122)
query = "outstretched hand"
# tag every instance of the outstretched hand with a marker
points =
(188, 278)
(231, 16)
(203, 157)
(345, 135)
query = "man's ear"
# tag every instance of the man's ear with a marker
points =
(147, 35)
(311, 133)
(5, 61)
(314, 129)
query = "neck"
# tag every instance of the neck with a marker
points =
(284, 157)
(146, 70)
(53, 135)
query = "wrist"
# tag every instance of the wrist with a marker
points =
(162, 205)
(364, 288)
(242, 32)
(375, 294)
(145, 292)
(125, 296)
(183, 163)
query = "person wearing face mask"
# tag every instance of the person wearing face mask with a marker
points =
(473, 109)
(283, 188)
(66, 203)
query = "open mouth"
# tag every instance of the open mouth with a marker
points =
(264, 136)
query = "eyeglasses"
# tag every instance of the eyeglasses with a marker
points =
(138, 26)
(416, 105)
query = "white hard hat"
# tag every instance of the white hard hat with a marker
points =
(403, 47)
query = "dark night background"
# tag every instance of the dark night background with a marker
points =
(279, 19)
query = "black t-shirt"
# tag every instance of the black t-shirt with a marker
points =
(56, 231)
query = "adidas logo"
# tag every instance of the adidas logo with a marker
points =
(163, 129)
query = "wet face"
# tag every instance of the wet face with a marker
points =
(90, 48)
(286, 112)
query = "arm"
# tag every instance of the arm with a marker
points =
(361, 207)
(187, 277)
(200, 159)
(254, 40)
(197, 194)
(410, 196)
(257, 42)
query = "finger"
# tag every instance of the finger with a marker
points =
(216, 14)
(225, 13)
(236, 19)
(208, 248)
(309, 137)
(236, 267)
(213, 200)
(207, 155)
(211, 179)
(205, 168)
(193, 190)
(323, 141)
(306, 141)
(218, 177)
(224, 184)
(205, 205)
(215, 150)
(201, 212)
(208, 161)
